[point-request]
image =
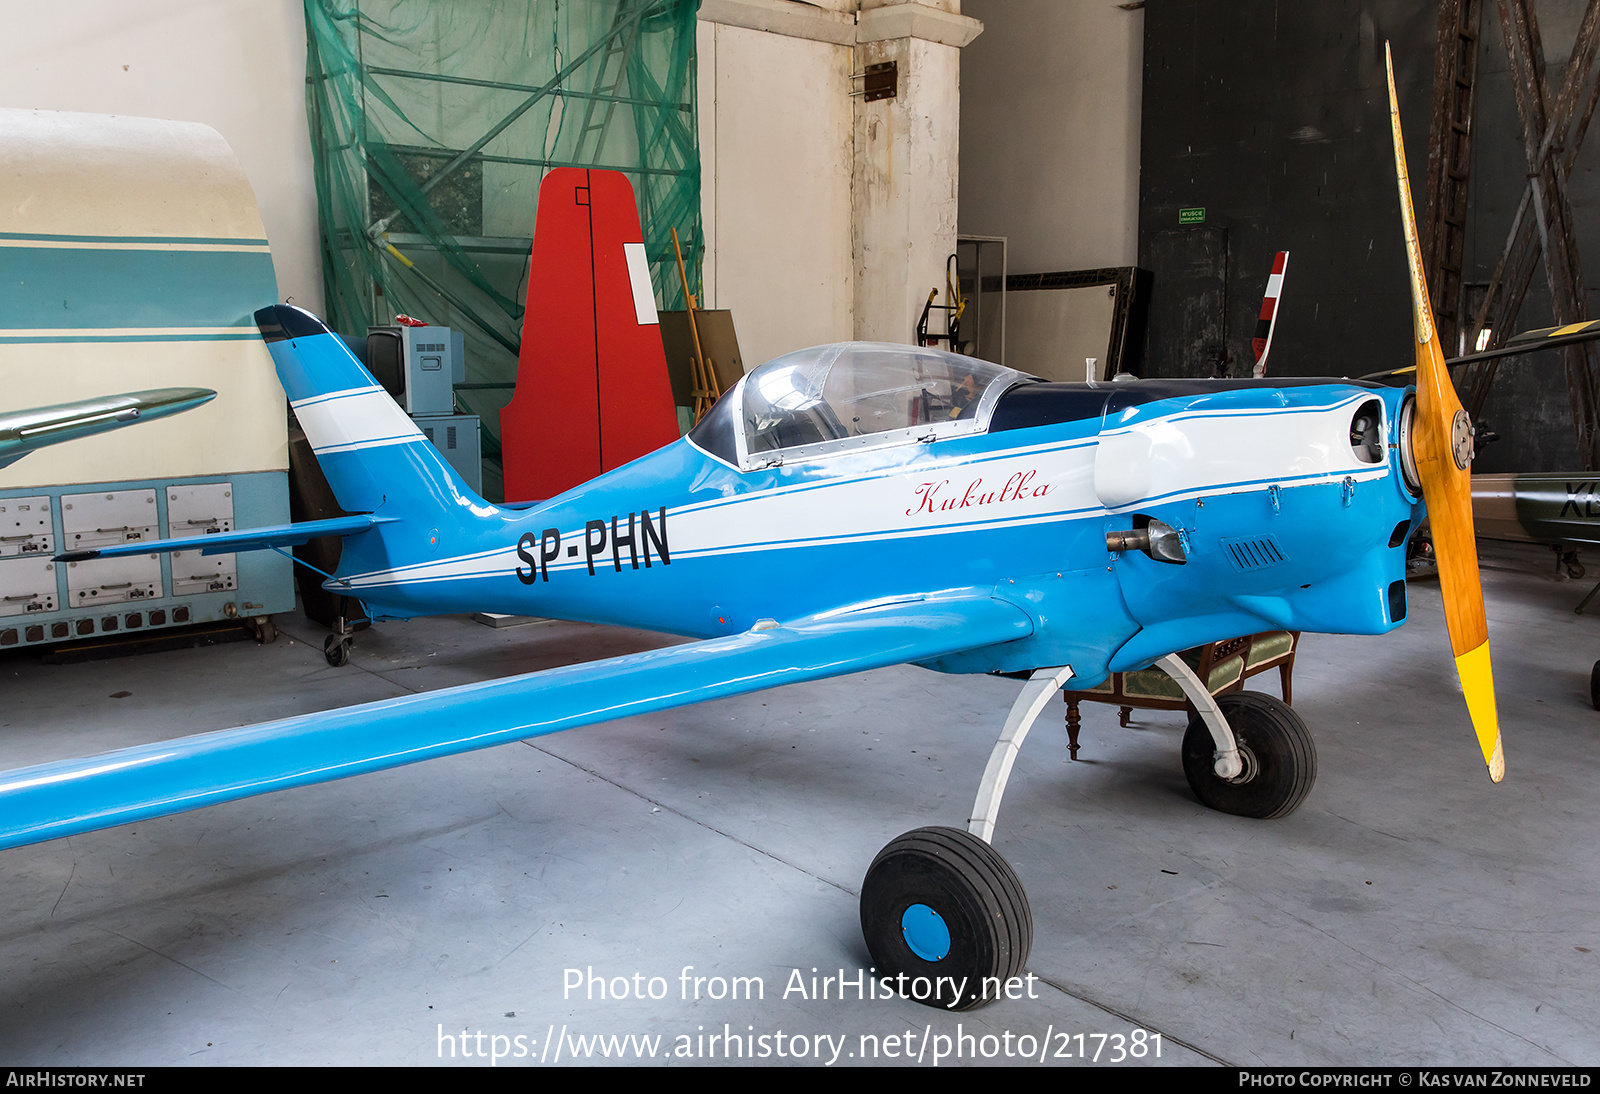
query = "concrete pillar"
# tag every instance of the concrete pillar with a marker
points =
(828, 218)
(904, 176)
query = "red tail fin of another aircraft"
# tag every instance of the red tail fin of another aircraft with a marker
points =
(592, 388)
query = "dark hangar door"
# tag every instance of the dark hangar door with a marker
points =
(1188, 331)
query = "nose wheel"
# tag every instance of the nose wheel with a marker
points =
(1278, 760)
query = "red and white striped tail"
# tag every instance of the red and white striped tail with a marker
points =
(1262, 341)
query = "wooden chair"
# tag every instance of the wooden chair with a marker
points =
(1224, 666)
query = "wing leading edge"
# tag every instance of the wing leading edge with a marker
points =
(67, 797)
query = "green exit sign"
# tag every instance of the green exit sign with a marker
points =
(1192, 216)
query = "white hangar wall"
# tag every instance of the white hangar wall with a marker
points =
(235, 65)
(1050, 103)
(775, 164)
(827, 217)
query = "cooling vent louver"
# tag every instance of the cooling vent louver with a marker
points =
(1255, 553)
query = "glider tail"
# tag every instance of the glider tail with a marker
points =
(374, 457)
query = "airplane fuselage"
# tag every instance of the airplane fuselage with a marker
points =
(1285, 523)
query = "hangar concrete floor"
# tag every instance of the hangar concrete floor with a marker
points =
(1409, 913)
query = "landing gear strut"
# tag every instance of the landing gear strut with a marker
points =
(1246, 753)
(944, 908)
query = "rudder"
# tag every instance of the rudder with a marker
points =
(374, 456)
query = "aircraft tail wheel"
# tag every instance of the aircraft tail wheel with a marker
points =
(1280, 759)
(942, 907)
(336, 648)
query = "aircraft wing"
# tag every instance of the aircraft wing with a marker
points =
(1551, 337)
(22, 431)
(66, 797)
(1527, 342)
(247, 539)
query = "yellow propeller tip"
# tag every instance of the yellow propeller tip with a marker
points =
(1477, 687)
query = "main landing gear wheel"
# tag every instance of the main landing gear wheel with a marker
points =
(1594, 686)
(1280, 759)
(942, 905)
(336, 648)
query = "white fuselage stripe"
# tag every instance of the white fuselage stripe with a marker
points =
(1039, 484)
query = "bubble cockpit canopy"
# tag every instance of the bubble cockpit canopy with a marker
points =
(850, 396)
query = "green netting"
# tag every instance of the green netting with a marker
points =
(433, 124)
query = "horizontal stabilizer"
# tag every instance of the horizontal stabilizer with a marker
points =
(247, 539)
(66, 797)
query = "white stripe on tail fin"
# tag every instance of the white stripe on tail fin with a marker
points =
(373, 455)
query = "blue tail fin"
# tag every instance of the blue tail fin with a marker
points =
(374, 457)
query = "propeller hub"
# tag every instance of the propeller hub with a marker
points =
(1408, 455)
(1461, 439)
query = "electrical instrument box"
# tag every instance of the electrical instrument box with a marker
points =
(419, 366)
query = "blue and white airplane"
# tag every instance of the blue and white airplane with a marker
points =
(846, 508)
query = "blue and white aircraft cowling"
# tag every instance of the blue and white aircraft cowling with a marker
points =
(1287, 530)
(684, 542)
(134, 256)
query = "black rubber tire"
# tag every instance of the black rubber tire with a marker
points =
(1594, 686)
(336, 650)
(977, 894)
(1279, 755)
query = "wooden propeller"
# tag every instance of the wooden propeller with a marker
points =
(1442, 453)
